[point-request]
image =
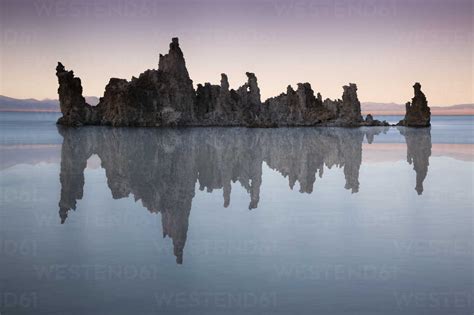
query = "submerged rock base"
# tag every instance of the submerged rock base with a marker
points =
(166, 98)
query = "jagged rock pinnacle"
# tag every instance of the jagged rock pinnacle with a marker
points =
(418, 113)
(166, 97)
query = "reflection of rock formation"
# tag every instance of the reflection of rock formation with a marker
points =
(74, 154)
(161, 167)
(302, 154)
(418, 153)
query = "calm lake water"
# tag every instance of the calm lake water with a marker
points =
(236, 221)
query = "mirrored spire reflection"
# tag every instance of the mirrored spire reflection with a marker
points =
(161, 167)
(418, 152)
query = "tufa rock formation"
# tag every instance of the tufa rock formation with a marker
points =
(166, 98)
(76, 111)
(417, 112)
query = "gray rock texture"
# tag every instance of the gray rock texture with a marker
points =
(418, 113)
(76, 111)
(166, 98)
(162, 168)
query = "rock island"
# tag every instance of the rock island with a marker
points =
(166, 97)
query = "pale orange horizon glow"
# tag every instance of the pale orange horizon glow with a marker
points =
(384, 49)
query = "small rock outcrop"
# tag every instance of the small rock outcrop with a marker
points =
(165, 97)
(418, 113)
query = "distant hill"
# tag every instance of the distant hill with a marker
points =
(399, 109)
(13, 104)
(8, 104)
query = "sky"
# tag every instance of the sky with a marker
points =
(382, 45)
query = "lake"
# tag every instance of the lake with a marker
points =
(99, 220)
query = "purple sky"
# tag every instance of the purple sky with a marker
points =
(382, 45)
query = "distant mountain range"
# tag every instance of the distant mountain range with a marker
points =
(8, 104)
(399, 109)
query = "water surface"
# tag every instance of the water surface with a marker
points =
(99, 220)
